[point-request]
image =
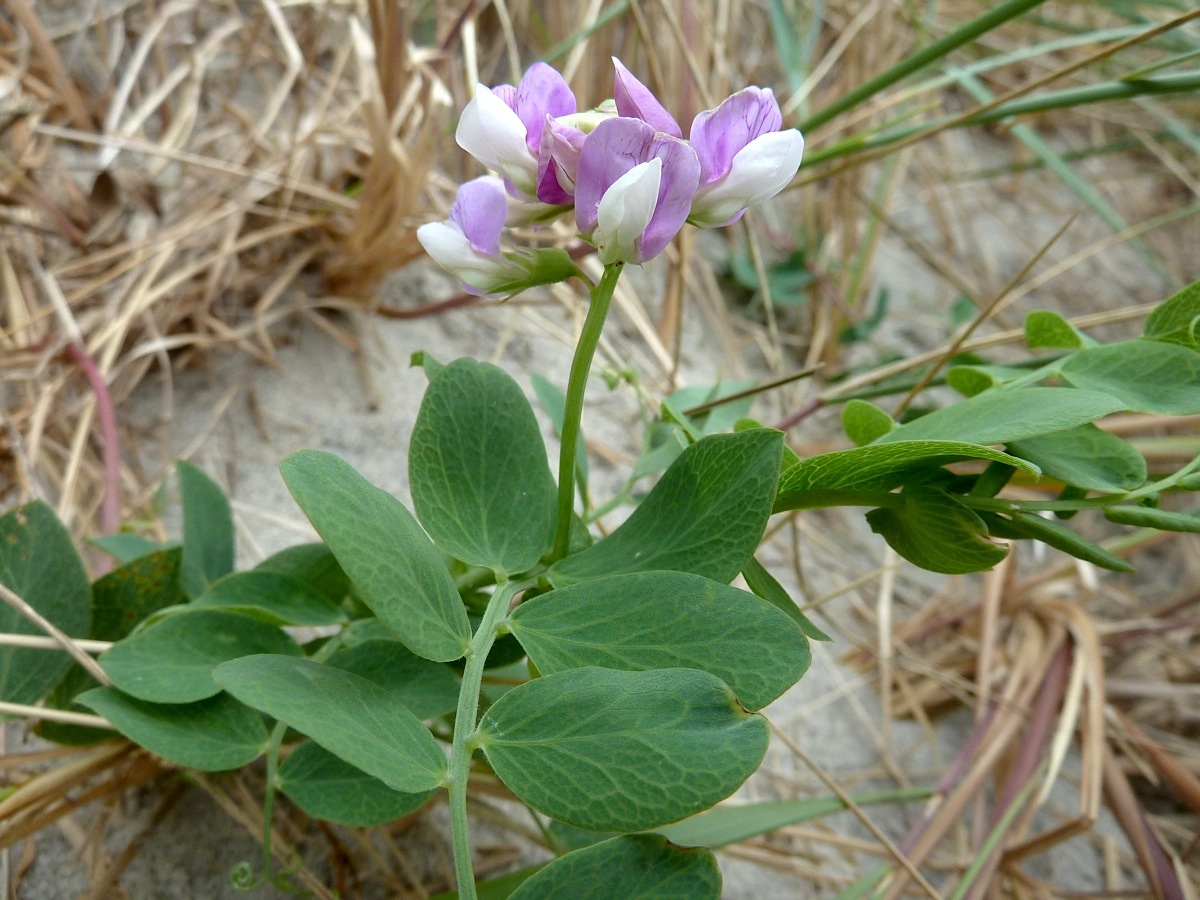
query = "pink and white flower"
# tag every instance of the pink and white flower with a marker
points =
(633, 189)
(744, 157)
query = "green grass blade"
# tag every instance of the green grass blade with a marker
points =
(935, 51)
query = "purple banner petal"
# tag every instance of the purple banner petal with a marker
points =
(615, 147)
(479, 210)
(542, 92)
(636, 101)
(718, 134)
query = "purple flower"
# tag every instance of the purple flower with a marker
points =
(633, 189)
(502, 128)
(635, 100)
(468, 245)
(744, 157)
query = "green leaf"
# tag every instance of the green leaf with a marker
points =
(633, 867)
(665, 620)
(972, 380)
(172, 660)
(706, 515)
(622, 751)
(720, 417)
(763, 583)
(1145, 517)
(272, 597)
(936, 532)
(426, 361)
(120, 600)
(127, 595)
(124, 547)
(480, 481)
(208, 536)
(1044, 328)
(876, 467)
(428, 689)
(1145, 375)
(1059, 536)
(725, 825)
(1086, 457)
(313, 563)
(351, 717)
(1177, 319)
(398, 572)
(213, 735)
(865, 422)
(328, 788)
(38, 562)
(1000, 415)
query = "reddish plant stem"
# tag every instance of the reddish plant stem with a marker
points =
(110, 510)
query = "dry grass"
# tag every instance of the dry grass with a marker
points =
(180, 177)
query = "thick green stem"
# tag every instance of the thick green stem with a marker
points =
(581, 365)
(463, 747)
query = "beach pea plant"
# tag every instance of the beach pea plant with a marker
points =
(612, 684)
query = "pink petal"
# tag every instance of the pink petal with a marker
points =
(636, 101)
(719, 134)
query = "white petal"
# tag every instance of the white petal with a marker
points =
(759, 171)
(495, 135)
(625, 210)
(450, 249)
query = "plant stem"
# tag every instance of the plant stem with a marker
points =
(581, 365)
(463, 747)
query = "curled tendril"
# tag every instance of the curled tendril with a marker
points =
(243, 878)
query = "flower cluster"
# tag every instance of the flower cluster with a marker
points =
(625, 169)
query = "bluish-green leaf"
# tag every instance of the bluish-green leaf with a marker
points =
(763, 583)
(1145, 517)
(1177, 319)
(351, 717)
(273, 597)
(329, 788)
(876, 467)
(398, 572)
(936, 532)
(1056, 534)
(706, 515)
(124, 548)
(1044, 328)
(865, 422)
(172, 660)
(313, 563)
(718, 418)
(1086, 457)
(1000, 415)
(428, 689)
(632, 867)
(120, 600)
(477, 465)
(1145, 375)
(208, 536)
(38, 562)
(622, 751)
(972, 380)
(664, 620)
(725, 825)
(213, 735)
